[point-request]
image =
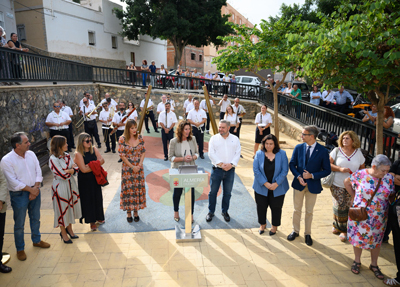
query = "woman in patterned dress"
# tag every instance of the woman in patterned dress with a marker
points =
(345, 159)
(133, 192)
(66, 200)
(368, 234)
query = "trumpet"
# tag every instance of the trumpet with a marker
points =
(81, 120)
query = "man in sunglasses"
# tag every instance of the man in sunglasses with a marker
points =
(106, 119)
(90, 121)
(58, 122)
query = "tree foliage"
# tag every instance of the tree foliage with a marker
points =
(270, 52)
(361, 50)
(182, 22)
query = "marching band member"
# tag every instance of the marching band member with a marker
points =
(161, 105)
(240, 112)
(233, 120)
(90, 123)
(87, 96)
(197, 117)
(203, 105)
(167, 120)
(263, 122)
(107, 98)
(134, 114)
(223, 104)
(117, 121)
(106, 116)
(58, 122)
(171, 101)
(149, 114)
(66, 109)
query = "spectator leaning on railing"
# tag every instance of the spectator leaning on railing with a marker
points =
(4, 63)
(15, 60)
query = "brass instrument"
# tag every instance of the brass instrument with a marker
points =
(81, 120)
(110, 118)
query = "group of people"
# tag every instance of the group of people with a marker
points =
(10, 67)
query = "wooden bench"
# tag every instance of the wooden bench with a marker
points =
(41, 151)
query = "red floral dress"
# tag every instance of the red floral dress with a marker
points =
(133, 191)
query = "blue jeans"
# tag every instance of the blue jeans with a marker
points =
(20, 204)
(144, 77)
(226, 177)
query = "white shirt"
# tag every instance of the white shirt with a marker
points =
(312, 147)
(263, 120)
(161, 107)
(327, 97)
(133, 115)
(149, 104)
(104, 116)
(81, 103)
(203, 105)
(171, 119)
(222, 150)
(89, 109)
(224, 105)
(240, 108)
(197, 116)
(356, 159)
(172, 102)
(287, 91)
(189, 107)
(118, 118)
(162, 71)
(67, 110)
(19, 171)
(114, 103)
(186, 103)
(58, 119)
(232, 119)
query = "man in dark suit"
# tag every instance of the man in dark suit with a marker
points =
(309, 163)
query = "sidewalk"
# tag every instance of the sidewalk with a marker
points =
(239, 257)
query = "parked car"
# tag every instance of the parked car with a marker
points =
(396, 123)
(305, 90)
(254, 85)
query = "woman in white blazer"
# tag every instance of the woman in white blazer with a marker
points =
(182, 151)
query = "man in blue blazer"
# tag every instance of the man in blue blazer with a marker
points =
(309, 163)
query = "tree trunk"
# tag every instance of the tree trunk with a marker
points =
(178, 53)
(379, 126)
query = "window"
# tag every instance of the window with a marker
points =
(92, 38)
(192, 56)
(114, 42)
(233, 16)
(240, 21)
(133, 58)
(2, 19)
(200, 58)
(246, 80)
(21, 32)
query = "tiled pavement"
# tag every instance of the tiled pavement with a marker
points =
(238, 257)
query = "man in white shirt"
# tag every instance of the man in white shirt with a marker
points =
(66, 109)
(197, 117)
(87, 96)
(326, 98)
(187, 102)
(24, 175)
(224, 103)
(149, 114)
(167, 120)
(90, 122)
(161, 105)
(110, 101)
(171, 101)
(58, 123)
(203, 106)
(224, 152)
(106, 119)
(239, 110)
(117, 121)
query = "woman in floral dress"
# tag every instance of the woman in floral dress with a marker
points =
(133, 192)
(368, 234)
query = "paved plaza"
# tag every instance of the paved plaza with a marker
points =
(224, 257)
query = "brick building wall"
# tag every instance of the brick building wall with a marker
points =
(192, 58)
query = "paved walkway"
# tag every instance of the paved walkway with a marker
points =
(239, 257)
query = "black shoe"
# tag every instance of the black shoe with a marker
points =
(292, 236)
(261, 231)
(107, 151)
(4, 268)
(165, 158)
(148, 131)
(99, 146)
(66, 242)
(113, 150)
(309, 241)
(241, 156)
(271, 233)
(202, 156)
(72, 237)
(69, 150)
(156, 131)
(136, 218)
(209, 216)
(226, 216)
(120, 160)
(129, 219)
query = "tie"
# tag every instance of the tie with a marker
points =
(308, 154)
(166, 119)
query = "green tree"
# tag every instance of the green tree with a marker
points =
(182, 22)
(361, 50)
(270, 52)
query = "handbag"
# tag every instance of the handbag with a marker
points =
(360, 213)
(327, 181)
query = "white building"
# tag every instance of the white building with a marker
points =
(7, 17)
(85, 29)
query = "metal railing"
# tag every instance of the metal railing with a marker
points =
(331, 120)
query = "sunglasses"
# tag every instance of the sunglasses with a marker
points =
(56, 106)
(88, 141)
